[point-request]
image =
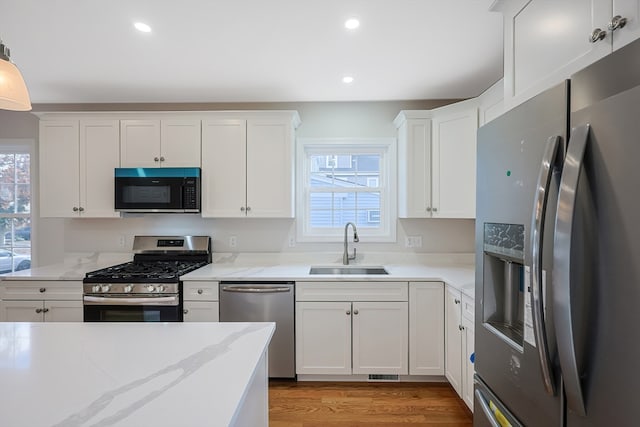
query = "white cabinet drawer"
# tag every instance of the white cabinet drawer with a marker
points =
(40, 290)
(352, 291)
(468, 308)
(200, 291)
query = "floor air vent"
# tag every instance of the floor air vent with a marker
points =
(378, 377)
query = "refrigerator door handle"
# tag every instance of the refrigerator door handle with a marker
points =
(537, 240)
(573, 166)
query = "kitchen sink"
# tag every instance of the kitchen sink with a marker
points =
(348, 270)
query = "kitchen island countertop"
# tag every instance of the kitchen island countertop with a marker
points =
(132, 374)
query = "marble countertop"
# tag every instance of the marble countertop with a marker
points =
(456, 270)
(127, 374)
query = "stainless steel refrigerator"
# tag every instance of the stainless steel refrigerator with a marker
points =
(558, 254)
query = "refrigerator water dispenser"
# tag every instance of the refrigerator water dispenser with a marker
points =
(503, 287)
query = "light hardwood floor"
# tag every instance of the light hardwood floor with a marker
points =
(332, 404)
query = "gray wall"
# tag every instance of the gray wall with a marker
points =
(53, 238)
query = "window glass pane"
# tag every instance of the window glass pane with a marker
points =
(16, 234)
(7, 168)
(7, 198)
(23, 168)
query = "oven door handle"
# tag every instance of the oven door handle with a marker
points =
(258, 289)
(167, 300)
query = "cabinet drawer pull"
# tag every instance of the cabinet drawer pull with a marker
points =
(42, 290)
(597, 35)
(617, 22)
(200, 291)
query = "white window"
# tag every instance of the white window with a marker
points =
(15, 205)
(346, 180)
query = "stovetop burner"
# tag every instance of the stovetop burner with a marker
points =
(144, 271)
(160, 259)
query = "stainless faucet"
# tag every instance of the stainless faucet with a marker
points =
(345, 256)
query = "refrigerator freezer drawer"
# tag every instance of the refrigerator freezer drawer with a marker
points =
(489, 411)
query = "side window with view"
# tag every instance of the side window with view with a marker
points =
(15, 208)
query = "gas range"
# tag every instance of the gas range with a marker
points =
(147, 288)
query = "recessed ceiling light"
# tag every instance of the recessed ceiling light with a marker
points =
(352, 24)
(347, 79)
(142, 27)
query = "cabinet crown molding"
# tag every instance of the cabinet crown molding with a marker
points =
(291, 115)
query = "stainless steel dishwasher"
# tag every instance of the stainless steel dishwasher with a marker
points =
(265, 302)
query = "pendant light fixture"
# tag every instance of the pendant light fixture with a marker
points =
(13, 91)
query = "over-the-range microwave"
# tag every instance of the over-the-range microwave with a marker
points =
(157, 190)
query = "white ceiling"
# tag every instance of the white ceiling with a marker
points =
(87, 51)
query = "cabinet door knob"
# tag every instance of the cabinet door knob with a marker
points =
(185, 311)
(38, 310)
(161, 158)
(457, 301)
(156, 159)
(75, 209)
(355, 311)
(435, 209)
(348, 312)
(597, 35)
(45, 310)
(242, 209)
(428, 208)
(42, 290)
(617, 22)
(461, 327)
(248, 208)
(81, 209)
(200, 291)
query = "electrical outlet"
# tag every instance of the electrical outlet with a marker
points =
(292, 241)
(233, 241)
(413, 242)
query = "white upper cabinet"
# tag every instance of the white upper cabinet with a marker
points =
(247, 165)
(414, 158)
(453, 179)
(437, 161)
(160, 143)
(77, 159)
(547, 41)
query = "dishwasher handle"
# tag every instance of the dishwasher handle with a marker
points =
(257, 289)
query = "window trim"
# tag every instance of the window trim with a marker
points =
(387, 148)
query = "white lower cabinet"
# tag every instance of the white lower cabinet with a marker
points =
(459, 346)
(41, 301)
(200, 302)
(453, 338)
(350, 328)
(467, 365)
(426, 328)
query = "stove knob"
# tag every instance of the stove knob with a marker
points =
(150, 288)
(161, 288)
(95, 288)
(105, 288)
(128, 288)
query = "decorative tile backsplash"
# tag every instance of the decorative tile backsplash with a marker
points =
(504, 239)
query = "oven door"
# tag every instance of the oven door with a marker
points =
(128, 308)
